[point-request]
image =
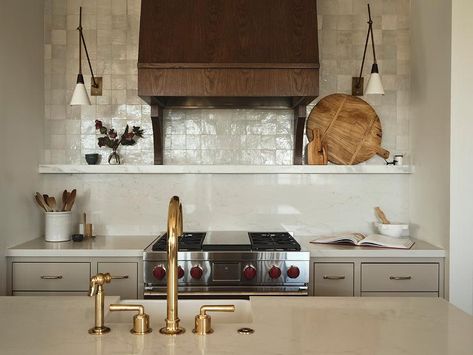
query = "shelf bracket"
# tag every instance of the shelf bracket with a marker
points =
(157, 119)
(300, 114)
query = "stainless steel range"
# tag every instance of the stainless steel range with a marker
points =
(230, 264)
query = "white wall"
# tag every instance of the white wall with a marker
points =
(461, 165)
(21, 117)
(430, 119)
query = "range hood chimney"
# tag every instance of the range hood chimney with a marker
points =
(228, 54)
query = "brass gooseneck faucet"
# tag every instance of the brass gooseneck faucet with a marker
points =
(96, 289)
(174, 233)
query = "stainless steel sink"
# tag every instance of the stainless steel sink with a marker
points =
(188, 309)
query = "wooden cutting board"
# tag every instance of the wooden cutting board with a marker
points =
(350, 129)
(316, 152)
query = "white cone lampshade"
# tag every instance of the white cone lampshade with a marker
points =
(80, 96)
(375, 85)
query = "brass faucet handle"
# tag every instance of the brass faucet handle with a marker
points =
(140, 320)
(203, 324)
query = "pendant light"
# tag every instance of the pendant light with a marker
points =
(375, 85)
(80, 96)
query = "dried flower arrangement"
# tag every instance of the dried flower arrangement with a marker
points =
(111, 140)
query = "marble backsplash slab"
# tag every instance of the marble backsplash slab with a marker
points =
(306, 204)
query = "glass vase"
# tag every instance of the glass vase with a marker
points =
(114, 158)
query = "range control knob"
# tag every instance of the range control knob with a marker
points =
(293, 272)
(249, 272)
(274, 272)
(159, 272)
(180, 272)
(196, 272)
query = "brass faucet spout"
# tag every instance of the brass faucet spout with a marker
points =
(175, 229)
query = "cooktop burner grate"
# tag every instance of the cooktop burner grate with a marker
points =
(280, 241)
(188, 242)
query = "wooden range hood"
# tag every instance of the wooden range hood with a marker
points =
(228, 54)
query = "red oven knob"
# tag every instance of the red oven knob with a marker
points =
(196, 272)
(274, 272)
(293, 272)
(159, 272)
(180, 272)
(249, 272)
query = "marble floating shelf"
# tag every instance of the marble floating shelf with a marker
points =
(225, 169)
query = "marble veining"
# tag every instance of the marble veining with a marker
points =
(225, 169)
(284, 325)
(132, 246)
(306, 204)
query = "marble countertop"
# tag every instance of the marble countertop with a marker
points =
(307, 325)
(133, 246)
(420, 249)
(100, 246)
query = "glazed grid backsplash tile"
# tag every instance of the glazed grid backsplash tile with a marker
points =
(208, 136)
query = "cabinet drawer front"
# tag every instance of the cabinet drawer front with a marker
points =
(125, 279)
(399, 294)
(50, 293)
(333, 279)
(50, 276)
(399, 277)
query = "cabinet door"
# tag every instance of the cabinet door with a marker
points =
(125, 279)
(39, 276)
(333, 279)
(399, 277)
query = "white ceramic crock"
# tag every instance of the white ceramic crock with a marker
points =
(58, 226)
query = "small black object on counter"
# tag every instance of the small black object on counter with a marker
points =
(77, 237)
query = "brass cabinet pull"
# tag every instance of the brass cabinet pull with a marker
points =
(120, 277)
(325, 277)
(45, 277)
(400, 277)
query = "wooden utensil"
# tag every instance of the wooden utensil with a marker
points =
(71, 200)
(316, 151)
(64, 199)
(52, 203)
(381, 215)
(40, 203)
(350, 128)
(43, 203)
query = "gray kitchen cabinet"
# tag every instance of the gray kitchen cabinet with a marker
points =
(124, 278)
(399, 294)
(399, 277)
(52, 276)
(49, 293)
(371, 276)
(333, 279)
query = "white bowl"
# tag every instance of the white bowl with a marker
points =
(395, 230)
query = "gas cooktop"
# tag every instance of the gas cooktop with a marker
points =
(232, 241)
(229, 264)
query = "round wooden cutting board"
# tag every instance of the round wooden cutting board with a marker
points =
(350, 129)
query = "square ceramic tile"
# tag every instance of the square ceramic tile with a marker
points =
(210, 136)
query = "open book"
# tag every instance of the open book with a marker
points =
(373, 240)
